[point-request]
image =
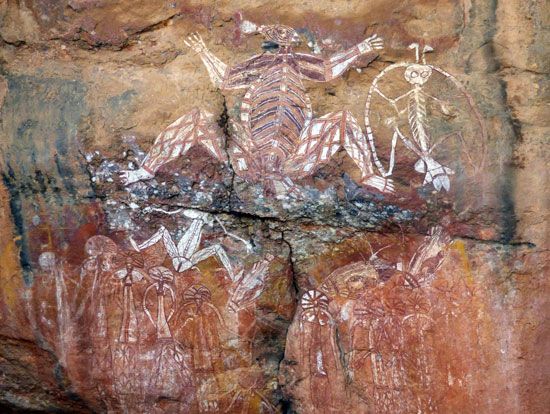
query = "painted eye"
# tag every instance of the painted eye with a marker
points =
(425, 74)
(414, 74)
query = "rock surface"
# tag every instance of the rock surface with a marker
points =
(203, 290)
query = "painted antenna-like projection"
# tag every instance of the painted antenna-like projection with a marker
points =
(276, 140)
(415, 130)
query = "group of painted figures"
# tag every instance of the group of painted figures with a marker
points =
(155, 330)
(365, 331)
(277, 140)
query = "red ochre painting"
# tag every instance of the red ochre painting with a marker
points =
(326, 221)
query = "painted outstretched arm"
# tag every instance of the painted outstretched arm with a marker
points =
(247, 287)
(341, 62)
(195, 127)
(394, 101)
(215, 67)
(325, 70)
(429, 257)
(223, 76)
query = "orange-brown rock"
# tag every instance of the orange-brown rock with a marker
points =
(212, 286)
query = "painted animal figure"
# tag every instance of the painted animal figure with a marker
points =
(277, 139)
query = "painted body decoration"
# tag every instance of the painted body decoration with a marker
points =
(277, 139)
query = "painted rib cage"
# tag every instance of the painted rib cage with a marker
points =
(275, 141)
(274, 111)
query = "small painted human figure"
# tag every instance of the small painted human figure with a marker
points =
(129, 274)
(162, 279)
(319, 352)
(199, 328)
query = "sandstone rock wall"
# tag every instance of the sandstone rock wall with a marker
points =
(328, 294)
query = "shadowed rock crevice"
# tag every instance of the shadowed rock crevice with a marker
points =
(27, 382)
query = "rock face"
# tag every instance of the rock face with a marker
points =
(233, 221)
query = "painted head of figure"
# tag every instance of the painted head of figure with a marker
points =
(278, 34)
(315, 307)
(195, 297)
(417, 74)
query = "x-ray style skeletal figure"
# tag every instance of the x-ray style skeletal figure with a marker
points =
(277, 139)
(420, 139)
(186, 253)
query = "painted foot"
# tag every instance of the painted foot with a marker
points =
(382, 184)
(441, 182)
(133, 176)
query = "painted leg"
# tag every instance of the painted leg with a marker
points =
(243, 153)
(196, 127)
(161, 234)
(322, 138)
(356, 146)
(179, 261)
(436, 173)
(215, 250)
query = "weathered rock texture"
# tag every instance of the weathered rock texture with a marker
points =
(338, 298)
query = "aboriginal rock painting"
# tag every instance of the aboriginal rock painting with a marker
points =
(412, 107)
(277, 140)
(366, 332)
(167, 317)
(165, 310)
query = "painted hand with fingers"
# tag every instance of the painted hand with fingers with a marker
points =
(194, 41)
(371, 43)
